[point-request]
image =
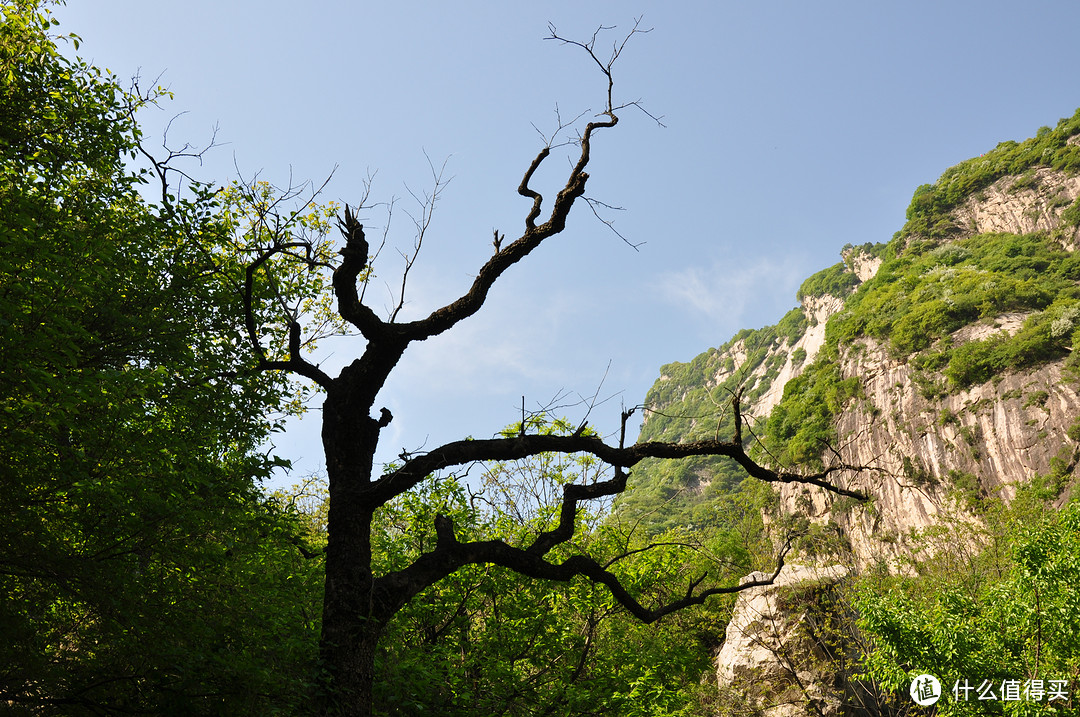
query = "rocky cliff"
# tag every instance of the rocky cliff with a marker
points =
(940, 365)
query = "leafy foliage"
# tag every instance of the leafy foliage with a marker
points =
(833, 281)
(802, 425)
(141, 568)
(1008, 612)
(916, 301)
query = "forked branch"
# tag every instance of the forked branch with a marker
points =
(354, 261)
(414, 470)
(295, 363)
(449, 555)
(505, 256)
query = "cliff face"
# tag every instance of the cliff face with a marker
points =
(922, 451)
(925, 441)
(1031, 202)
(817, 310)
(941, 364)
(778, 646)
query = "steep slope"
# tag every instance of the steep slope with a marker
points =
(937, 360)
(942, 363)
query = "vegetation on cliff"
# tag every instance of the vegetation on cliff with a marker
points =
(693, 401)
(929, 215)
(958, 309)
(999, 610)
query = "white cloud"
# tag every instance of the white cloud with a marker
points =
(734, 292)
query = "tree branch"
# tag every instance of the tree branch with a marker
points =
(427, 212)
(499, 449)
(295, 362)
(450, 555)
(446, 317)
(525, 191)
(457, 453)
(354, 261)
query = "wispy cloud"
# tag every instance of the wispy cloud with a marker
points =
(733, 290)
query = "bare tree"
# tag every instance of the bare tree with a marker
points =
(358, 603)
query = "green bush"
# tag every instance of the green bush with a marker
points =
(999, 614)
(836, 280)
(1071, 216)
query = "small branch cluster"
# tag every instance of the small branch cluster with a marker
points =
(607, 65)
(274, 237)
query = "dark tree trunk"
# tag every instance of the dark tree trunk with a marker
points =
(349, 684)
(349, 630)
(351, 627)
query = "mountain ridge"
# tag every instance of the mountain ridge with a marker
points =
(941, 364)
(1010, 218)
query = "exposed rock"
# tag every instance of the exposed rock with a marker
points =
(776, 655)
(998, 433)
(934, 451)
(1020, 205)
(818, 309)
(1008, 323)
(863, 265)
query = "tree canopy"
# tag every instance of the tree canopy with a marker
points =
(135, 543)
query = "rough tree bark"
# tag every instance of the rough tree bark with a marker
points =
(358, 604)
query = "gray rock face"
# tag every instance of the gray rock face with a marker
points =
(1009, 205)
(1000, 433)
(996, 435)
(991, 438)
(776, 658)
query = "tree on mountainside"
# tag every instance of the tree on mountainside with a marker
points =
(360, 599)
(141, 569)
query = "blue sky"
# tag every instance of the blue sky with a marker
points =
(792, 128)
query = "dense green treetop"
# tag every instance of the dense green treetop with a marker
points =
(141, 568)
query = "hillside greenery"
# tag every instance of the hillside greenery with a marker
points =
(998, 608)
(836, 280)
(914, 304)
(928, 215)
(693, 401)
(926, 290)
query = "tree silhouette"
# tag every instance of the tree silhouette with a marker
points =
(358, 604)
